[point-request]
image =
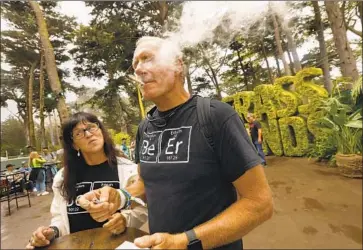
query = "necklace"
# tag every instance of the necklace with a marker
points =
(161, 121)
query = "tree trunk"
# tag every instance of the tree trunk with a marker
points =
(253, 73)
(278, 65)
(26, 125)
(245, 76)
(291, 63)
(30, 106)
(51, 132)
(216, 84)
(360, 10)
(43, 141)
(292, 47)
(187, 76)
(163, 12)
(50, 62)
(267, 63)
(348, 64)
(278, 44)
(323, 54)
(213, 76)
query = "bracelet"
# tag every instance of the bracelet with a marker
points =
(128, 198)
(56, 232)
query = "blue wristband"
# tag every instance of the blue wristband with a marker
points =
(128, 198)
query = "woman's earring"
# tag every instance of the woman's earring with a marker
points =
(78, 154)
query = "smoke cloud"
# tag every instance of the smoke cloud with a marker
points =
(203, 21)
(200, 19)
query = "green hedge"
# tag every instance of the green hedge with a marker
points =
(264, 101)
(287, 100)
(307, 88)
(294, 131)
(271, 137)
(290, 104)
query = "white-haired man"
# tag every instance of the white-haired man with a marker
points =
(190, 186)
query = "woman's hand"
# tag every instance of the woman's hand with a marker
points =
(110, 199)
(41, 237)
(116, 223)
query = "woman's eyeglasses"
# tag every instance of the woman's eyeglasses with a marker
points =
(80, 133)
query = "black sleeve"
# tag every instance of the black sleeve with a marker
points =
(235, 150)
(258, 125)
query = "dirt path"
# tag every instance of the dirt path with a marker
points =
(315, 208)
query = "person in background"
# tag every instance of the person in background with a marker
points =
(124, 148)
(90, 162)
(16, 178)
(256, 136)
(37, 174)
(50, 166)
(48, 155)
(25, 168)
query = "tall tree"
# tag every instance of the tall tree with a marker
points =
(50, 63)
(43, 140)
(278, 44)
(32, 141)
(348, 64)
(290, 43)
(323, 52)
(264, 53)
(20, 48)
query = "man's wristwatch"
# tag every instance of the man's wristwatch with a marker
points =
(56, 232)
(193, 242)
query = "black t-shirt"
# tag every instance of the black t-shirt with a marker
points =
(254, 127)
(89, 178)
(186, 183)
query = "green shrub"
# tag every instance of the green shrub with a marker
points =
(243, 102)
(315, 94)
(271, 136)
(264, 102)
(287, 100)
(294, 135)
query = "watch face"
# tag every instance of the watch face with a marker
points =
(195, 245)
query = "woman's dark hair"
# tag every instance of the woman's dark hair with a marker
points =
(72, 163)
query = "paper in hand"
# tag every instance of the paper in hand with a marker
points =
(128, 245)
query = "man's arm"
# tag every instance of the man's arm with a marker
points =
(255, 207)
(259, 135)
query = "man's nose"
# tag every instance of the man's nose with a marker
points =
(140, 69)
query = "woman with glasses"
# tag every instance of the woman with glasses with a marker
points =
(90, 162)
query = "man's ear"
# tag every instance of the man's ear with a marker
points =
(179, 65)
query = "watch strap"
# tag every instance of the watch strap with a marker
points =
(191, 235)
(56, 232)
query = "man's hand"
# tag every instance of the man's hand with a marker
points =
(162, 241)
(110, 202)
(259, 141)
(116, 224)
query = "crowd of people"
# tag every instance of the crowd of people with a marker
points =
(193, 164)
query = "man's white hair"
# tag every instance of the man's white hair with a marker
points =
(163, 43)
